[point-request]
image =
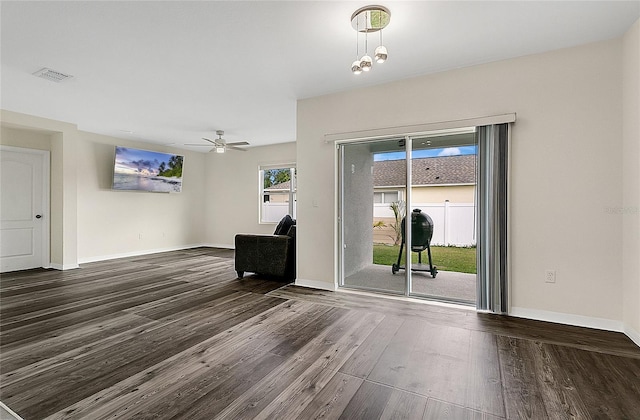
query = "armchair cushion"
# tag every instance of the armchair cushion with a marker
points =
(284, 225)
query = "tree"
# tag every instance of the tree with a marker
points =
(175, 167)
(399, 210)
(276, 176)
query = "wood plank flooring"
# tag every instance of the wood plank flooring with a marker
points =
(178, 336)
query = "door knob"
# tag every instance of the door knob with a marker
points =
(38, 216)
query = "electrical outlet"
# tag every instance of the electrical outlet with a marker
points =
(550, 276)
(139, 235)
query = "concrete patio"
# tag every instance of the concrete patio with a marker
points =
(447, 284)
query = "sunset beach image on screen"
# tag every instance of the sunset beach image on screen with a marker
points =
(145, 170)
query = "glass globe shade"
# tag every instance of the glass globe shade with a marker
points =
(365, 63)
(381, 54)
(355, 67)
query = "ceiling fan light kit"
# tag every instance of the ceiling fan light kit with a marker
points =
(366, 20)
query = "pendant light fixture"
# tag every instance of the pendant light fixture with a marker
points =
(355, 66)
(381, 52)
(365, 20)
(365, 61)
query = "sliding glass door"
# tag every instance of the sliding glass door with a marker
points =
(372, 203)
(379, 252)
(443, 191)
(450, 186)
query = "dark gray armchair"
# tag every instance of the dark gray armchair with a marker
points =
(271, 255)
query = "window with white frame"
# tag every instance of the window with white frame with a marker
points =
(386, 197)
(277, 192)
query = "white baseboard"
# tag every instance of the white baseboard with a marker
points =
(6, 411)
(224, 246)
(136, 253)
(316, 284)
(568, 319)
(632, 334)
(64, 266)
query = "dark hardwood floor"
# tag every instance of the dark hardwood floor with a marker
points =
(177, 336)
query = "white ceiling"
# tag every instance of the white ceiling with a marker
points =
(176, 71)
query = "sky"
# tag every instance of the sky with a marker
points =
(141, 162)
(448, 151)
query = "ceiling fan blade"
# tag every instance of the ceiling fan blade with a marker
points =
(238, 143)
(236, 148)
(210, 141)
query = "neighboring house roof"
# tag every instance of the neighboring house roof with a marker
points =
(426, 171)
(283, 186)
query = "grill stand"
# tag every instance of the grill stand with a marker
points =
(417, 267)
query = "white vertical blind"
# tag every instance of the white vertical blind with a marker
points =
(492, 216)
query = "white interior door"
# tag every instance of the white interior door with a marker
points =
(24, 191)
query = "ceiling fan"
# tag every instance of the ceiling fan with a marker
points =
(220, 145)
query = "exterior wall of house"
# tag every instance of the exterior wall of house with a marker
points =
(566, 102)
(630, 211)
(437, 193)
(278, 198)
(440, 194)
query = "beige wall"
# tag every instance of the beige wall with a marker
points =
(60, 138)
(232, 191)
(89, 221)
(115, 223)
(25, 138)
(563, 177)
(631, 182)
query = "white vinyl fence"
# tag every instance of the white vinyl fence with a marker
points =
(273, 212)
(453, 223)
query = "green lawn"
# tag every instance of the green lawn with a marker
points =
(446, 258)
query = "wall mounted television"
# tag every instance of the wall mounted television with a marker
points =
(145, 170)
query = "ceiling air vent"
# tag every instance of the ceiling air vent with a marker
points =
(52, 75)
